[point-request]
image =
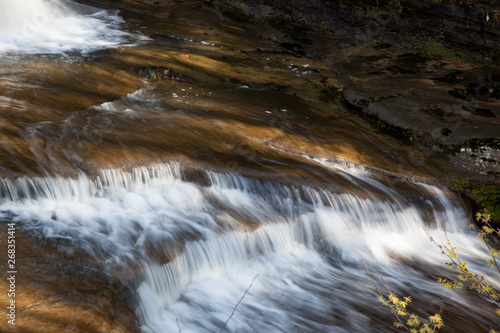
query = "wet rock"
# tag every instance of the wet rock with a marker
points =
(259, 86)
(445, 131)
(295, 48)
(451, 78)
(408, 63)
(480, 111)
(408, 70)
(483, 159)
(163, 73)
(442, 105)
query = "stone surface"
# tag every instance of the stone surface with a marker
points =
(416, 103)
(424, 72)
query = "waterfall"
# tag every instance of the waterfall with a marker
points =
(199, 246)
(57, 26)
(23, 16)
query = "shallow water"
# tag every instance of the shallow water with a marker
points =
(154, 206)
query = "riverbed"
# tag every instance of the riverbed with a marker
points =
(238, 194)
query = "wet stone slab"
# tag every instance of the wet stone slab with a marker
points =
(445, 106)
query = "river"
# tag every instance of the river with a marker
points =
(241, 193)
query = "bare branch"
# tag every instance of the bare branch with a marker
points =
(237, 304)
(382, 295)
(178, 326)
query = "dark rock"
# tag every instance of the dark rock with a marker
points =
(480, 111)
(163, 73)
(445, 131)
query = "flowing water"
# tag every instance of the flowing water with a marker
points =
(55, 26)
(156, 206)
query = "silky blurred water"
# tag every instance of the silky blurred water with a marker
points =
(198, 196)
(58, 26)
(198, 247)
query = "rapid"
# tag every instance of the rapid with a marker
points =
(238, 200)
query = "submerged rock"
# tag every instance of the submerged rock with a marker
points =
(163, 73)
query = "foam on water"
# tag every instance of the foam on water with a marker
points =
(199, 247)
(56, 26)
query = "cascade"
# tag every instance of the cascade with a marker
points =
(23, 16)
(199, 246)
(56, 26)
(178, 244)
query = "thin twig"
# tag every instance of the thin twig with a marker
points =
(382, 295)
(237, 304)
(371, 278)
(456, 261)
(485, 241)
(477, 229)
(324, 11)
(489, 250)
(178, 326)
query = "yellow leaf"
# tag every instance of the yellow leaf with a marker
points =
(436, 320)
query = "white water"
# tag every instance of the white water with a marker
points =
(199, 247)
(57, 26)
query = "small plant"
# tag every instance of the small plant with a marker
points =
(466, 277)
(489, 198)
(413, 323)
(323, 26)
(484, 218)
(382, 124)
(458, 184)
(405, 319)
(475, 281)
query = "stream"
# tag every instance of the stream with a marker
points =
(240, 194)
